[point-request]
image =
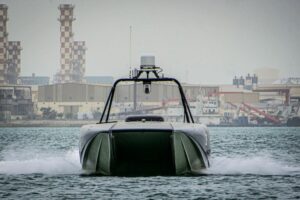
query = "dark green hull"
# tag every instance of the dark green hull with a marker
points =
(136, 152)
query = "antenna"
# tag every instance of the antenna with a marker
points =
(130, 48)
(130, 69)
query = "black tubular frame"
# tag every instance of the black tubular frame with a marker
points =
(187, 112)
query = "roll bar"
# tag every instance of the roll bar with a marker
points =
(147, 70)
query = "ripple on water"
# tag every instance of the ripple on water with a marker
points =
(246, 163)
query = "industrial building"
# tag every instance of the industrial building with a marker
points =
(15, 102)
(225, 105)
(34, 81)
(265, 104)
(73, 98)
(81, 98)
(80, 92)
(10, 52)
(72, 53)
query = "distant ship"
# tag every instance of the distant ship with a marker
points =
(142, 145)
(293, 121)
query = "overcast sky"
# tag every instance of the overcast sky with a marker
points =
(197, 41)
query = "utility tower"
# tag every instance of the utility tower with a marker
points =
(72, 53)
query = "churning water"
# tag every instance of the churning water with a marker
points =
(246, 163)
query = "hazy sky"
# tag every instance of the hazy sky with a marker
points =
(199, 41)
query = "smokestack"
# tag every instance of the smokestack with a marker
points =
(72, 53)
(66, 42)
(3, 42)
(78, 64)
(10, 52)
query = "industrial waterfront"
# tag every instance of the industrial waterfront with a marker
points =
(227, 127)
(261, 98)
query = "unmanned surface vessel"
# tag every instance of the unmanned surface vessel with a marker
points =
(143, 144)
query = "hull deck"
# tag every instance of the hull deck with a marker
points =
(142, 153)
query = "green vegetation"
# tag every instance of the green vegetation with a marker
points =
(49, 113)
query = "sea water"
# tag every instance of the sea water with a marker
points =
(246, 163)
